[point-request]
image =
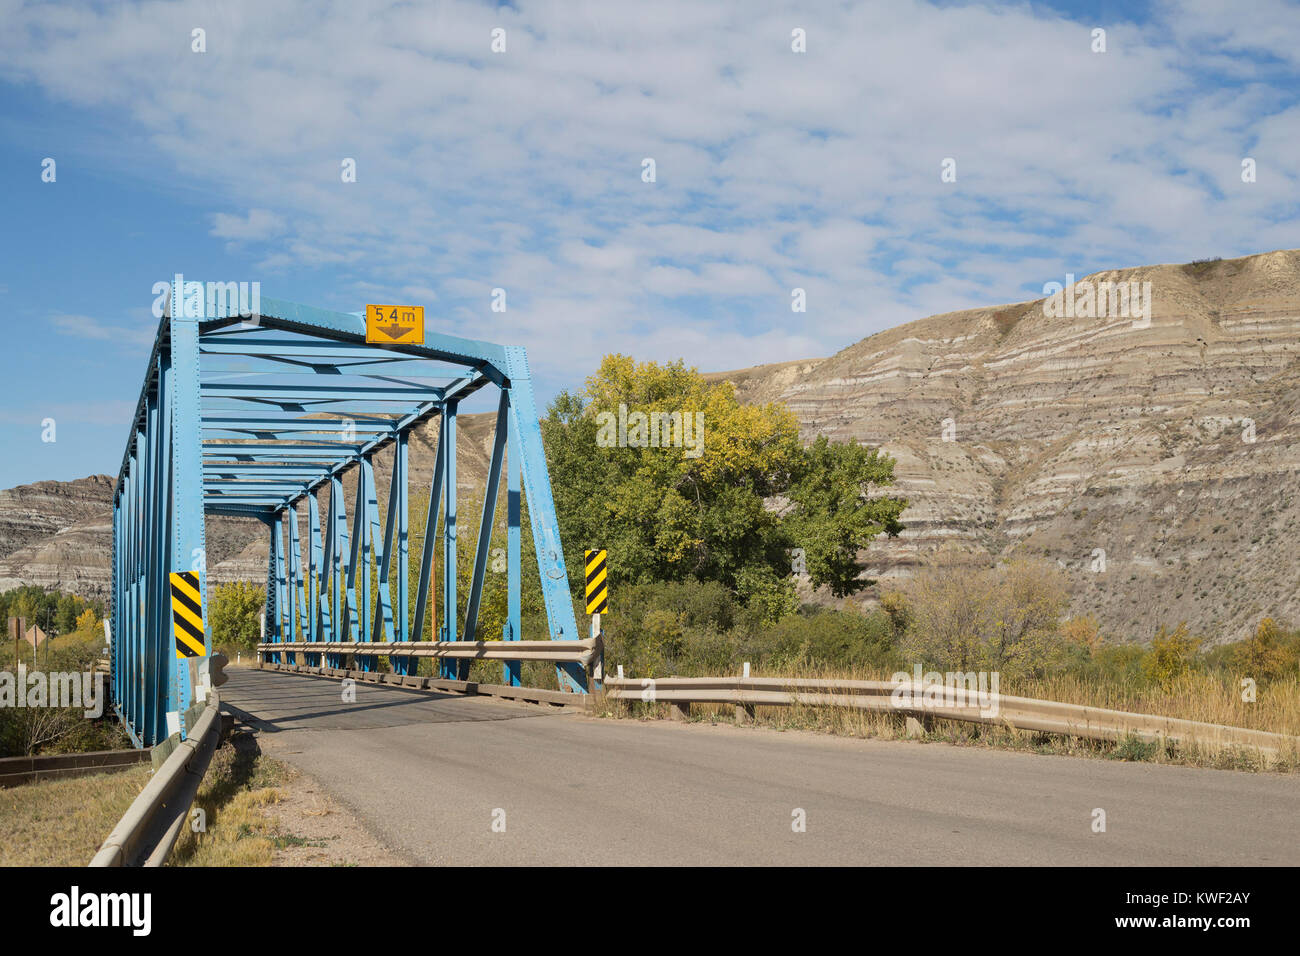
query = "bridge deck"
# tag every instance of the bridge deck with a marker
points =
(272, 701)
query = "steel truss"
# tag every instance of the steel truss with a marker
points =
(259, 417)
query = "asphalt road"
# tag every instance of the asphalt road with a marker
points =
(431, 774)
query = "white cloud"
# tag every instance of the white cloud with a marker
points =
(258, 224)
(775, 169)
(86, 327)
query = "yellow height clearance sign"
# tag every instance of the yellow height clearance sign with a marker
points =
(395, 324)
(187, 615)
(597, 590)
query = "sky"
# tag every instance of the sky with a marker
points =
(525, 170)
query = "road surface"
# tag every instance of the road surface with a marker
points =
(430, 775)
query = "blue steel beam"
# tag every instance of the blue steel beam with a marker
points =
(514, 573)
(447, 668)
(402, 459)
(541, 515)
(297, 600)
(430, 540)
(358, 551)
(188, 548)
(346, 327)
(314, 564)
(339, 530)
(487, 519)
(318, 393)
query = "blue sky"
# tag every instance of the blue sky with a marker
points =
(523, 170)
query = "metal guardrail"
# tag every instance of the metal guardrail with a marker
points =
(149, 828)
(15, 771)
(532, 695)
(582, 652)
(940, 701)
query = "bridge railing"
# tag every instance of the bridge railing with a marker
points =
(939, 701)
(586, 653)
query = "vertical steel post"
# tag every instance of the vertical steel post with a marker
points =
(366, 509)
(339, 535)
(274, 600)
(402, 460)
(514, 573)
(486, 521)
(430, 542)
(297, 601)
(314, 567)
(157, 592)
(115, 610)
(359, 560)
(450, 604)
(188, 545)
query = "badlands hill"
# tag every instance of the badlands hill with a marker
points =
(1173, 447)
(1157, 462)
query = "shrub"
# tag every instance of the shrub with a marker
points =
(1171, 656)
(1266, 654)
(844, 639)
(1003, 619)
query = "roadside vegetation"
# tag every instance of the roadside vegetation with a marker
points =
(63, 822)
(76, 644)
(1010, 620)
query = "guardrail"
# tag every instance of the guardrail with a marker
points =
(468, 688)
(149, 828)
(938, 701)
(582, 652)
(15, 771)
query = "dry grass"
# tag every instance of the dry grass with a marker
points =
(239, 785)
(1197, 696)
(63, 822)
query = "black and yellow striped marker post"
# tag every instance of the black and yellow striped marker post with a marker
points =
(187, 615)
(597, 591)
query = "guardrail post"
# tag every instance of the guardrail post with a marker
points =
(679, 710)
(744, 712)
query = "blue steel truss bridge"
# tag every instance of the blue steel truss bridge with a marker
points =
(262, 416)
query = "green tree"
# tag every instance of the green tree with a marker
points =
(65, 618)
(234, 616)
(836, 514)
(685, 510)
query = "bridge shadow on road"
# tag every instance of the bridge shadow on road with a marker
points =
(274, 701)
